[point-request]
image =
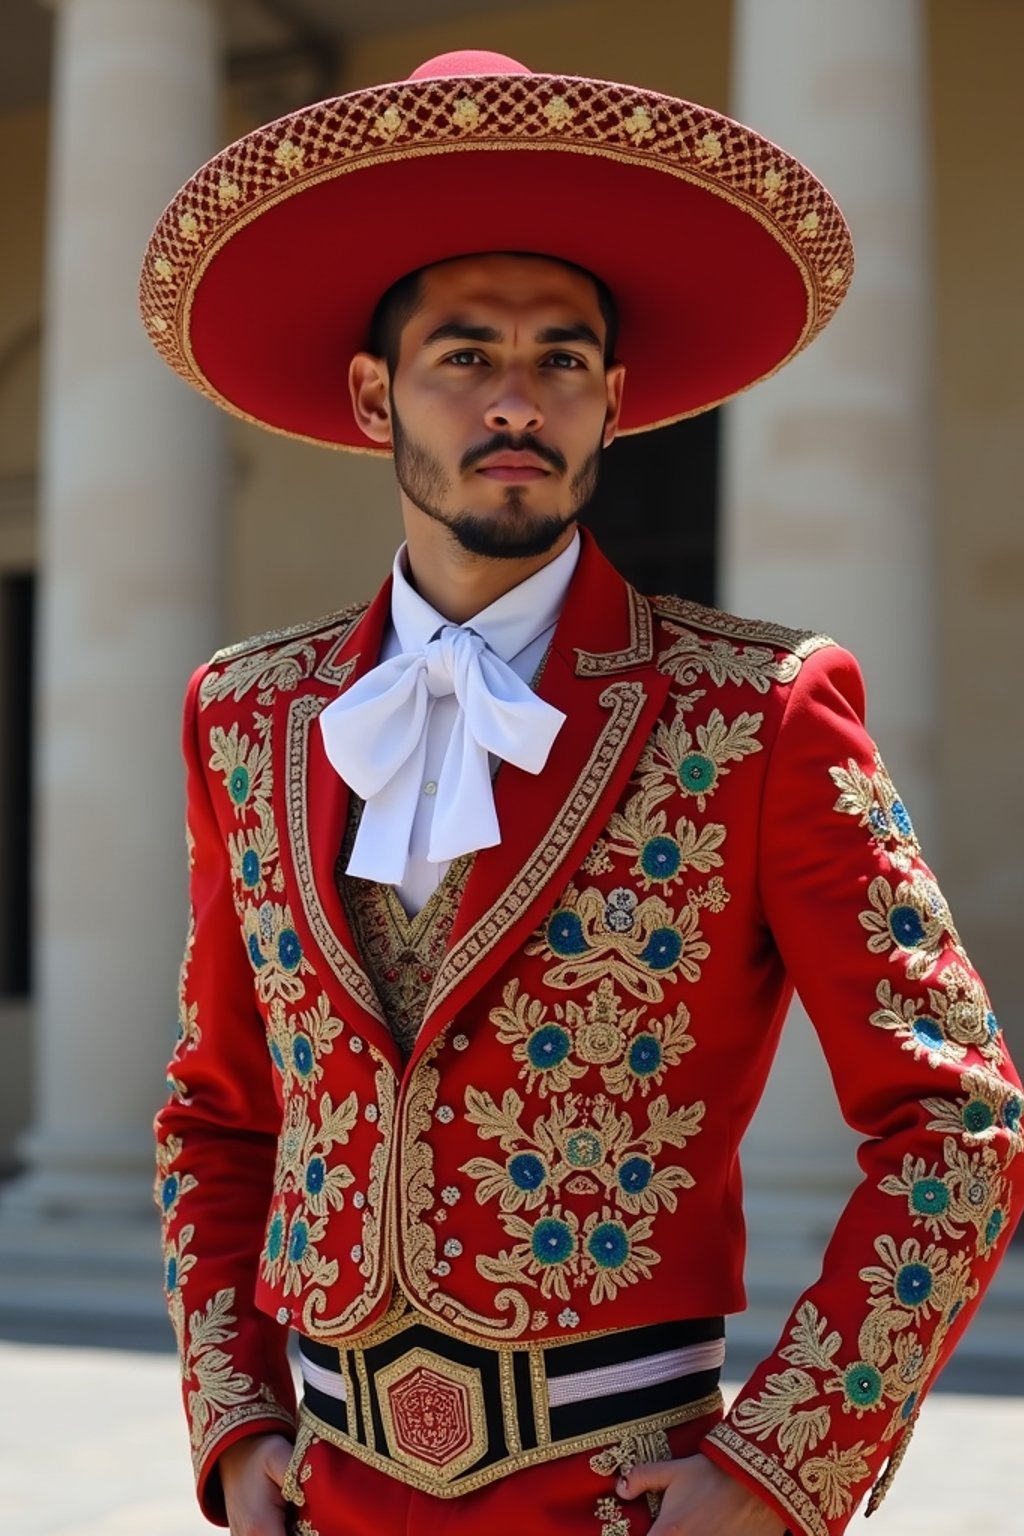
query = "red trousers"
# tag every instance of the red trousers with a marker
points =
(345, 1497)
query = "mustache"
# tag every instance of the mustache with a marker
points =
(505, 441)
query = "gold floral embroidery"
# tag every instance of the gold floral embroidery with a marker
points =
(289, 155)
(695, 763)
(661, 856)
(218, 1386)
(390, 123)
(281, 668)
(639, 944)
(911, 921)
(873, 799)
(275, 952)
(692, 655)
(577, 1134)
(639, 125)
(246, 769)
(466, 113)
(558, 112)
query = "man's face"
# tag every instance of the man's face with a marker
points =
(501, 402)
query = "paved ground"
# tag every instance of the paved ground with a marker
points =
(92, 1443)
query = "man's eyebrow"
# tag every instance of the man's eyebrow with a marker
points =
(552, 335)
(568, 333)
(461, 330)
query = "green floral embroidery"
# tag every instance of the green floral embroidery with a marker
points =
(246, 770)
(695, 763)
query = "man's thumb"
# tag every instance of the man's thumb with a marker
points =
(648, 1477)
(277, 1453)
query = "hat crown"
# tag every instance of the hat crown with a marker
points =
(469, 61)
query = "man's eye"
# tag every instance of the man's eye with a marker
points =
(563, 360)
(462, 359)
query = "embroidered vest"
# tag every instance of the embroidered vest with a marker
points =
(401, 953)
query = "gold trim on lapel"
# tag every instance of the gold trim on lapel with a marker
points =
(557, 814)
(316, 807)
(337, 947)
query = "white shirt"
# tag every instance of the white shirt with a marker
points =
(518, 627)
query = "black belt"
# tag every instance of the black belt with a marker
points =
(447, 1415)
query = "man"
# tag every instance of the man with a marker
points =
(500, 885)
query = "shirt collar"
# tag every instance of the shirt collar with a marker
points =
(508, 625)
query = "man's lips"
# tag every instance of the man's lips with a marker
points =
(513, 466)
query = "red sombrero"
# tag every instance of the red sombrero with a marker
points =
(725, 255)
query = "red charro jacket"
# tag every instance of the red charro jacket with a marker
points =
(559, 1157)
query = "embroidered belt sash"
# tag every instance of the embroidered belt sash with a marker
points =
(447, 1416)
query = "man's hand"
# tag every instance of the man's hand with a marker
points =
(698, 1499)
(251, 1473)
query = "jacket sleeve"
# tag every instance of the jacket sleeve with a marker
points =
(920, 1070)
(216, 1141)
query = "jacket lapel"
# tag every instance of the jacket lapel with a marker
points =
(315, 804)
(601, 674)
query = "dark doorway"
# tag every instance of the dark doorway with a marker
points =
(17, 604)
(655, 512)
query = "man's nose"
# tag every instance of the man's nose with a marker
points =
(514, 408)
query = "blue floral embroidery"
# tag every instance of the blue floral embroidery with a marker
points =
(548, 1047)
(635, 1174)
(552, 1241)
(171, 1277)
(316, 1173)
(906, 927)
(911, 1402)
(663, 948)
(275, 1056)
(302, 1055)
(608, 1245)
(298, 1242)
(914, 1283)
(274, 1246)
(1011, 1113)
(645, 1055)
(289, 950)
(565, 935)
(255, 953)
(526, 1171)
(661, 858)
(251, 868)
(169, 1191)
(928, 1032)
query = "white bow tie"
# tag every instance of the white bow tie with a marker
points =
(375, 739)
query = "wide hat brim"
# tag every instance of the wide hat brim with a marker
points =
(725, 255)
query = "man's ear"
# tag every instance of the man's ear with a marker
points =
(368, 385)
(615, 377)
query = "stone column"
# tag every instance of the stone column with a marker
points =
(131, 584)
(827, 505)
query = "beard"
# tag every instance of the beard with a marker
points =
(514, 532)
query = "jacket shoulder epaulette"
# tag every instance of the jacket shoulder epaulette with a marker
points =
(272, 638)
(800, 643)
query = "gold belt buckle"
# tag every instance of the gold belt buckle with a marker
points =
(433, 1413)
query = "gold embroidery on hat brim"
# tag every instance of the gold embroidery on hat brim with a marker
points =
(813, 322)
(683, 128)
